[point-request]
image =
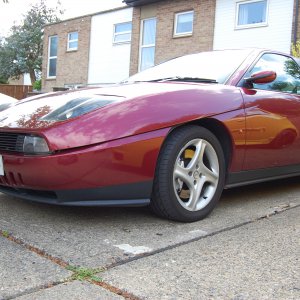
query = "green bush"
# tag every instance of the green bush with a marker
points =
(3, 80)
(37, 85)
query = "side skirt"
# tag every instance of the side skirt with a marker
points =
(255, 176)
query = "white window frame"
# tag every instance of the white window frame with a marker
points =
(51, 57)
(115, 34)
(71, 41)
(187, 33)
(262, 24)
(141, 42)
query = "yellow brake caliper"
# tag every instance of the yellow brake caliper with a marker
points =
(185, 193)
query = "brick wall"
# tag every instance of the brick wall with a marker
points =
(135, 40)
(72, 66)
(167, 46)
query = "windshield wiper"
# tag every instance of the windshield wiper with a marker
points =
(184, 79)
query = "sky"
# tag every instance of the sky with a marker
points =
(11, 12)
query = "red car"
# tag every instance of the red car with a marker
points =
(172, 136)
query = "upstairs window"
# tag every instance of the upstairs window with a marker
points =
(251, 13)
(72, 41)
(184, 23)
(52, 56)
(147, 48)
(122, 33)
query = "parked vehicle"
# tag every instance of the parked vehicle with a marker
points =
(173, 136)
(6, 101)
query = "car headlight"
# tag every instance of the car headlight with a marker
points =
(35, 145)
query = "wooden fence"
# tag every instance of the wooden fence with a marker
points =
(17, 91)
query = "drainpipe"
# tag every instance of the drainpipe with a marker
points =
(296, 21)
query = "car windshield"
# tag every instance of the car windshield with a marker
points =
(214, 66)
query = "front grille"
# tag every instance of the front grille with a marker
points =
(11, 142)
(11, 179)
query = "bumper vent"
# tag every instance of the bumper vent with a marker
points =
(11, 142)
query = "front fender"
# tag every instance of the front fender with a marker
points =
(145, 114)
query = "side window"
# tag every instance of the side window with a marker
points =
(72, 41)
(147, 47)
(122, 33)
(184, 23)
(287, 70)
(52, 56)
(251, 13)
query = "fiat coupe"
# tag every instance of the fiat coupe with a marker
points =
(172, 137)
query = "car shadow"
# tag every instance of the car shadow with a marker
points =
(254, 192)
(268, 187)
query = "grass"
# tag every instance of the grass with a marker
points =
(81, 273)
(5, 233)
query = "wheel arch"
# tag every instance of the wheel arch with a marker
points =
(219, 130)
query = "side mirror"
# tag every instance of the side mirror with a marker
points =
(262, 77)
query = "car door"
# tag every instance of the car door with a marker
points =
(273, 114)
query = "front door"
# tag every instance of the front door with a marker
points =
(273, 115)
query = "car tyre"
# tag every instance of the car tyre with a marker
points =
(190, 175)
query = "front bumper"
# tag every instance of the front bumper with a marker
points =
(119, 172)
(135, 194)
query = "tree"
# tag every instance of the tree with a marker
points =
(292, 69)
(296, 49)
(22, 51)
(3, 80)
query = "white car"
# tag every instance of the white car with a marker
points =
(6, 101)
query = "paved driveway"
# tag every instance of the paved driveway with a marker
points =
(247, 249)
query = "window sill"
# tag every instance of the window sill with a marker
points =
(250, 26)
(176, 36)
(51, 78)
(121, 43)
(72, 50)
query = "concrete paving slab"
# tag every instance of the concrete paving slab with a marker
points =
(260, 260)
(96, 237)
(76, 290)
(23, 271)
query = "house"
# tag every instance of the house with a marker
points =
(263, 24)
(162, 30)
(165, 29)
(106, 47)
(88, 50)
(110, 45)
(66, 53)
